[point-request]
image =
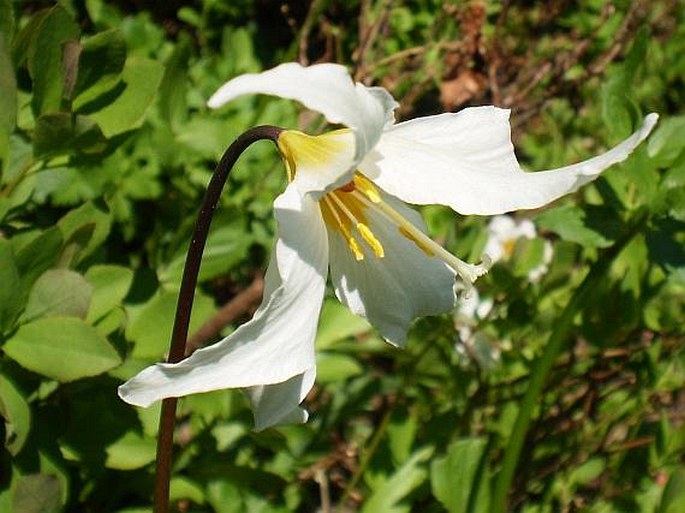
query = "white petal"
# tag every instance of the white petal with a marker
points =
(277, 404)
(278, 343)
(325, 88)
(320, 163)
(391, 291)
(466, 161)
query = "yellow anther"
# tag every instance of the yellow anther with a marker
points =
(352, 243)
(332, 216)
(371, 240)
(367, 188)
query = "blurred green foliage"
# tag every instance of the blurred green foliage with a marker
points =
(106, 145)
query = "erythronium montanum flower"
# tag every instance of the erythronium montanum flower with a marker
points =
(504, 232)
(342, 211)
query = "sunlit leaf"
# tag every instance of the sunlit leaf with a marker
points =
(83, 230)
(110, 285)
(16, 412)
(387, 497)
(336, 323)
(8, 89)
(45, 59)
(101, 62)
(570, 223)
(130, 452)
(58, 292)
(63, 133)
(126, 111)
(457, 480)
(332, 367)
(62, 348)
(37, 493)
(10, 293)
(150, 324)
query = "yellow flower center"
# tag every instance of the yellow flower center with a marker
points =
(346, 210)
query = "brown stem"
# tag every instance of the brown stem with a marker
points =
(185, 300)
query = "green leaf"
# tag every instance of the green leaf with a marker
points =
(616, 93)
(336, 323)
(62, 133)
(151, 324)
(17, 414)
(141, 79)
(37, 493)
(173, 88)
(130, 452)
(569, 222)
(83, 230)
(20, 159)
(11, 300)
(7, 24)
(673, 498)
(184, 488)
(21, 46)
(45, 59)
(100, 65)
(8, 95)
(110, 285)
(226, 247)
(528, 255)
(386, 498)
(456, 478)
(401, 434)
(58, 293)
(587, 472)
(667, 143)
(38, 256)
(333, 367)
(62, 348)
(8, 85)
(615, 113)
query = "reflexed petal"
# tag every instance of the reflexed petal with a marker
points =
(319, 163)
(277, 404)
(466, 161)
(325, 88)
(391, 291)
(278, 343)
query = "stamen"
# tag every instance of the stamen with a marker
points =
(342, 226)
(371, 240)
(428, 251)
(368, 188)
(363, 229)
(469, 273)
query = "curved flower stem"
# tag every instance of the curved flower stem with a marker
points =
(545, 362)
(185, 300)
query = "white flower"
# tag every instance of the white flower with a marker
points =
(473, 309)
(341, 211)
(504, 232)
(473, 344)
